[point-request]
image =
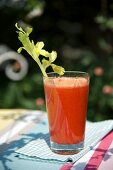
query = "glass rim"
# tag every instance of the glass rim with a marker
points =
(79, 73)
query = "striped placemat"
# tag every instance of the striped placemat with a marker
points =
(39, 149)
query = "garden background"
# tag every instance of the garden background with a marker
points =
(82, 34)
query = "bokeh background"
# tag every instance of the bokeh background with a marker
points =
(82, 34)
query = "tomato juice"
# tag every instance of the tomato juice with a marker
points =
(66, 101)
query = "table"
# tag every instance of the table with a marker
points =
(21, 126)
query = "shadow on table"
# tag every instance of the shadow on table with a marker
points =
(11, 147)
(7, 149)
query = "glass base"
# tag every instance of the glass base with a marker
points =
(67, 149)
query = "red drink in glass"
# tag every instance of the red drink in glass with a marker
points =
(66, 102)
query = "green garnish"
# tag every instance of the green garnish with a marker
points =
(35, 50)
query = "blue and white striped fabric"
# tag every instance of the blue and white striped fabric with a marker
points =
(39, 149)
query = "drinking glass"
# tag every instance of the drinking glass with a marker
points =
(66, 103)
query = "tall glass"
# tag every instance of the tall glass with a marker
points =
(66, 103)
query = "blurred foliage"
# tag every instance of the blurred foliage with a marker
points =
(82, 34)
(23, 94)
